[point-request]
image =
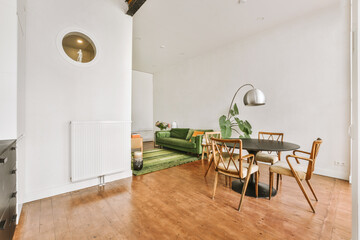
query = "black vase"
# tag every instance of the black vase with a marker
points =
(138, 164)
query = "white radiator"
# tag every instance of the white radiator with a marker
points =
(99, 148)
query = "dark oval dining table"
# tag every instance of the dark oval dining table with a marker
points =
(253, 146)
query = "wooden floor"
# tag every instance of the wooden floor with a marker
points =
(176, 204)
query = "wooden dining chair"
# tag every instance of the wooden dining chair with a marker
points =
(297, 170)
(269, 156)
(207, 146)
(233, 165)
(208, 136)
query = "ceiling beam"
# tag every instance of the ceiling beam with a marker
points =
(134, 5)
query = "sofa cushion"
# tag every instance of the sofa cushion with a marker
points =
(161, 134)
(180, 133)
(283, 168)
(229, 166)
(266, 157)
(177, 142)
(190, 133)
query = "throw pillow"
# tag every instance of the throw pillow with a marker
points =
(196, 133)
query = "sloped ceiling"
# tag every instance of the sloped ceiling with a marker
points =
(166, 32)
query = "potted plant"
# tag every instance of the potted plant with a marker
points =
(232, 122)
(162, 125)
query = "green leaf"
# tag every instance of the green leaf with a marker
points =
(246, 131)
(228, 130)
(222, 120)
(222, 124)
(248, 124)
(248, 127)
(246, 135)
(225, 126)
(232, 113)
(236, 110)
(240, 124)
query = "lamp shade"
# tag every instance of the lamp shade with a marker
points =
(254, 97)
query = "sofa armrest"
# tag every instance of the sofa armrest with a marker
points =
(198, 142)
(162, 134)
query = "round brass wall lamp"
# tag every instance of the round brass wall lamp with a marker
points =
(77, 47)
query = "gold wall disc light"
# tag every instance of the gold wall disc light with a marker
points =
(79, 47)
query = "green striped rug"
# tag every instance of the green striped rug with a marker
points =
(158, 159)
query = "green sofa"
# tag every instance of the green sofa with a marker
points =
(179, 139)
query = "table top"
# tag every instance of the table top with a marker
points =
(256, 145)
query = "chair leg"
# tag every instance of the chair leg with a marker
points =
(207, 153)
(215, 184)
(202, 155)
(277, 181)
(226, 181)
(312, 190)
(257, 184)
(303, 190)
(210, 163)
(230, 182)
(244, 189)
(259, 173)
(271, 179)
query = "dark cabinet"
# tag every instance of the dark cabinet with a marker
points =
(8, 192)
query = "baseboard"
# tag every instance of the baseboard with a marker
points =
(50, 192)
(331, 173)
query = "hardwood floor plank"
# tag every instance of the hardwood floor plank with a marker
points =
(46, 216)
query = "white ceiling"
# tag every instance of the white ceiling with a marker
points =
(166, 32)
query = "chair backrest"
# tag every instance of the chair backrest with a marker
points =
(224, 156)
(313, 155)
(209, 135)
(271, 136)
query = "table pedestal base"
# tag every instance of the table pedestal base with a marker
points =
(237, 186)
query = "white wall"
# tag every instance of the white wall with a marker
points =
(142, 104)
(8, 68)
(58, 92)
(302, 67)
